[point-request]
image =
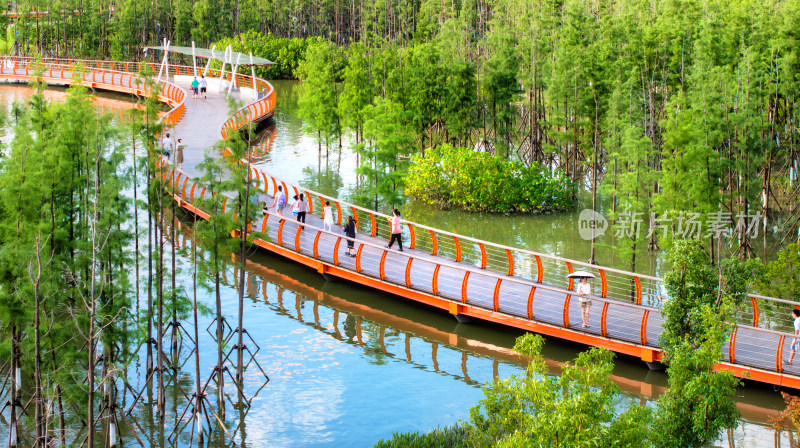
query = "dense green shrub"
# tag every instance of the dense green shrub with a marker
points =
(447, 437)
(462, 178)
(285, 52)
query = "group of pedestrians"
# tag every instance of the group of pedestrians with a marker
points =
(300, 208)
(199, 87)
(169, 146)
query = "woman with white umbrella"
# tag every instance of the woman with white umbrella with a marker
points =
(584, 290)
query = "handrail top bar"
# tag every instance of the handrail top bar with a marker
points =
(774, 299)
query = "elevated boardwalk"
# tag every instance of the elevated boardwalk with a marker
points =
(468, 277)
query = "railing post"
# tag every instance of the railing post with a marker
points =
(435, 280)
(464, 287)
(496, 296)
(458, 249)
(408, 271)
(603, 283)
(434, 243)
(355, 213)
(297, 238)
(358, 257)
(336, 251)
(643, 330)
(638, 290)
(571, 281)
(280, 231)
(382, 265)
(754, 301)
(530, 302)
(264, 224)
(539, 269)
(316, 244)
(604, 320)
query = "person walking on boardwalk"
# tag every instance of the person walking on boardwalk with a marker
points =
(327, 217)
(795, 341)
(167, 145)
(302, 209)
(203, 84)
(350, 233)
(179, 153)
(195, 86)
(583, 291)
(279, 201)
(397, 230)
(295, 205)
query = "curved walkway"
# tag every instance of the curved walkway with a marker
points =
(466, 276)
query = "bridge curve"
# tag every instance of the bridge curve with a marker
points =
(466, 276)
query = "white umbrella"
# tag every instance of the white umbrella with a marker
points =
(580, 274)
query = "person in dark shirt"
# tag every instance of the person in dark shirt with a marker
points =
(350, 232)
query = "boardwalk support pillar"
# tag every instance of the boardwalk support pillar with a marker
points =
(649, 357)
(323, 269)
(456, 309)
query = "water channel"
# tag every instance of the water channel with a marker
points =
(348, 365)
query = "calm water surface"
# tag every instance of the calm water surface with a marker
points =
(349, 365)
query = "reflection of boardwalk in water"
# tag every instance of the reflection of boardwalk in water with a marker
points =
(470, 278)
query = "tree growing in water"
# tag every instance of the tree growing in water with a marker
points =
(384, 152)
(317, 104)
(697, 319)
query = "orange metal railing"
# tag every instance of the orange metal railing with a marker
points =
(63, 72)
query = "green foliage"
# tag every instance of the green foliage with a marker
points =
(356, 88)
(384, 152)
(448, 437)
(573, 409)
(286, 53)
(459, 177)
(317, 103)
(64, 245)
(782, 276)
(697, 320)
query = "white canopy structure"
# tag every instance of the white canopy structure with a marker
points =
(227, 57)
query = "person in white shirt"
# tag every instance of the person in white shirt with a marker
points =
(167, 145)
(795, 342)
(302, 208)
(203, 85)
(327, 216)
(584, 290)
(279, 201)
